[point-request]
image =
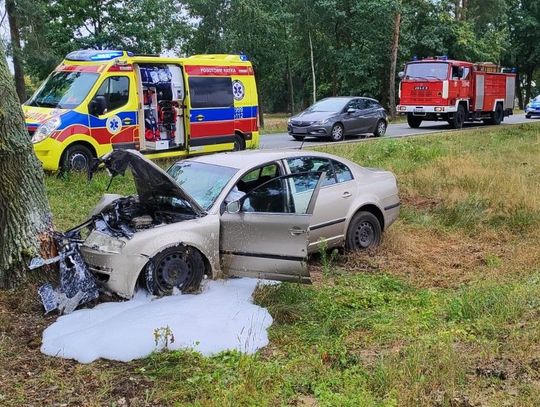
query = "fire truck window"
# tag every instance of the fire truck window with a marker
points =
(211, 92)
(465, 75)
(455, 72)
(115, 90)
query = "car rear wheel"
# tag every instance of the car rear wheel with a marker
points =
(364, 232)
(77, 158)
(298, 138)
(176, 267)
(337, 133)
(413, 121)
(380, 129)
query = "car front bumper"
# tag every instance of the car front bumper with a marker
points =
(532, 111)
(310, 131)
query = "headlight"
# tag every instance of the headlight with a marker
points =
(322, 121)
(46, 129)
(104, 243)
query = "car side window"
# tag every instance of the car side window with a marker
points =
(353, 104)
(304, 164)
(371, 104)
(116, 91)
(363, 104)
(282, 195)
(343, 173)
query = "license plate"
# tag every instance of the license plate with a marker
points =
(418, 110)
(300, 131)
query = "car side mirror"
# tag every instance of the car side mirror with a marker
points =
(351, 110)
(97, 106)
(401, 75)
(233, 207)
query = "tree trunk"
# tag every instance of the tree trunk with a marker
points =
(519, 92)
(25, 217)
(393, 63)
(313, 69)
(291, 87)
(528, 85)
(17, 52)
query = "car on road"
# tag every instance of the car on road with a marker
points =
(533, 108)
(337, 117)
(251, 213)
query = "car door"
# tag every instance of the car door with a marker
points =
(338, 191)
(265, 233)
(369, 115)
(350, 118)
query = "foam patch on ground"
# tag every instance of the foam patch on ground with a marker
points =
(222, 317)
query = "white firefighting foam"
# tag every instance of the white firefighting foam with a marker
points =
(222, 317)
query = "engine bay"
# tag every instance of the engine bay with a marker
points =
(127, 215)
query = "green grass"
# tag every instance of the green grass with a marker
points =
(445, 313)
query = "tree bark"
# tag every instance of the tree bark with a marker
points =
(519, 92)
(17, 51)
(393, 63)
(313, 69)
(25, 217)
(291, 87)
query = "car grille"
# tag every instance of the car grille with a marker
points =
(299, 123)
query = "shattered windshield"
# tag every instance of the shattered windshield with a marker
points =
(204, 182)
(427, 70)
(63, 90)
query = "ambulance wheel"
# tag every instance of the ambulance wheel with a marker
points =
(176, 267)
(459, 118)
(76, 158)
(239, 143)
(413, 121)
(497, 116)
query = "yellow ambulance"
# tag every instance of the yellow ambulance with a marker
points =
(96, 101)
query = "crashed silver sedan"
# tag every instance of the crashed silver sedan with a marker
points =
(250, 213)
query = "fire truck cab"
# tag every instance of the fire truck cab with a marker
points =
(441, 89)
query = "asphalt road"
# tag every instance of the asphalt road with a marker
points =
(283, 140)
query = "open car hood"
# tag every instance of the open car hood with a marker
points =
(150, 179)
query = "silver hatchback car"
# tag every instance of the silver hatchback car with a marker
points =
(249, 213)
(337, 117)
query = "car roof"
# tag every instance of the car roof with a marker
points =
(252, 158)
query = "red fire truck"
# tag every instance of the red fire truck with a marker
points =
(455, 91)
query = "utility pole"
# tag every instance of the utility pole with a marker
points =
(313, 69)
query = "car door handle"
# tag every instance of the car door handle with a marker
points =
(296, 231)
(199, 117)
(346, 194)
(126, 121)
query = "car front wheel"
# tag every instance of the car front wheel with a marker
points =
(176, 267)
(337, 133)
(298, 138)
(364, 232)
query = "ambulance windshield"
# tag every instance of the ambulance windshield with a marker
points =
(427, 70)
(63, 90)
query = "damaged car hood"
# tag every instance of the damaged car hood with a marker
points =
(150, 180)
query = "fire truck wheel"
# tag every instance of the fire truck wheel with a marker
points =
(337, 132)
(414, 121)
(380, 129)
(76, 158)
(497, 116)
(459, 118)
(239, 143)
(176, 267)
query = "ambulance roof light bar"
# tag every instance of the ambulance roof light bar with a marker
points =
(93, 55)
